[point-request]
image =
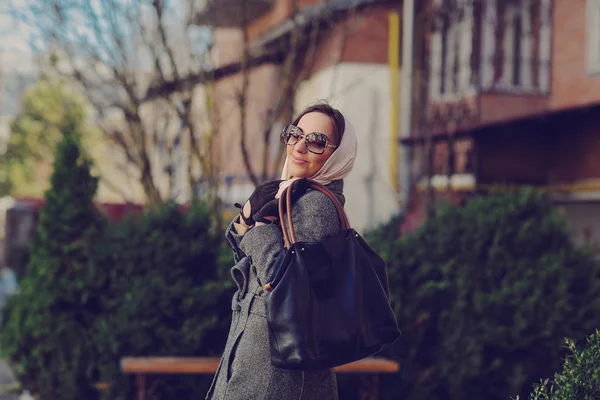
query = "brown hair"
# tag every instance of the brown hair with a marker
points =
(339, 124)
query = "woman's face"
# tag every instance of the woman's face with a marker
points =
(301, 162)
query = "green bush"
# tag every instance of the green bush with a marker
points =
(165, 295)
(580, 376)
(159, 285)
(94, 292)
(46, 324)
(485, 294)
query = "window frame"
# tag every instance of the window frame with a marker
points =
(536, 21)
(450, 67)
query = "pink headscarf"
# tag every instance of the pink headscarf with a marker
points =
(337, 167)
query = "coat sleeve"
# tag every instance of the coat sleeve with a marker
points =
(234, 238)
(314, 217)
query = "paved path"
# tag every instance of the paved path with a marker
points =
(6, 378)
(6, 375)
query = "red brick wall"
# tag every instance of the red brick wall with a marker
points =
(502, 107)
(280, 10)
(360, 37)
(571, 83)
(278, 13)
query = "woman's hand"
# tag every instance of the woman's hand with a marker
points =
(257, 200)
(241, 220)
(270, 211)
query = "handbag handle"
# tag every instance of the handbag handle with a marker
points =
(290, 238)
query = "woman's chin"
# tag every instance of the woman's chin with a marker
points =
(298, 172)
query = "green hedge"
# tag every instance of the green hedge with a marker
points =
(155, 284)
(485, 294)
(165, 295)
(580, 376)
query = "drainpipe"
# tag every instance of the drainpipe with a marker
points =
(406, 94)
(394, 67)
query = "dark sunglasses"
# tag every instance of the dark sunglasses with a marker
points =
(315, 142)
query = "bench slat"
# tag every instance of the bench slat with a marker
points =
(369, 365)
(170, 365)
(208, 365)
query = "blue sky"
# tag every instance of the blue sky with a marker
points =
(17, 68)
(15, 54)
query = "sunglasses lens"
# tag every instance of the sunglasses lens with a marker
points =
(290, 135)
(316, 142)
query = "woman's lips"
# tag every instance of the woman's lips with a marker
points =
(299, 161)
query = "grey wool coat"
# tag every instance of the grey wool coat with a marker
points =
(245, 371)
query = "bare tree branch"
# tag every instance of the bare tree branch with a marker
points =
(127, 58)
(115, 51)
(159, 10)
(242, 95)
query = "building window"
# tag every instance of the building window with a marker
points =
(494, 45)
(516, 45)
(593, 35)
(516, 40)
(450, 70)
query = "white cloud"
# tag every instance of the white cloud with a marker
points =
(6, 22)
(15, 53)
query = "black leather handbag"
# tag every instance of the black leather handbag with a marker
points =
(327, 302)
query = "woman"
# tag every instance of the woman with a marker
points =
(321, 145)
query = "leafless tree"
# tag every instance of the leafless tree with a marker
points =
(147, 64)
(115, 50)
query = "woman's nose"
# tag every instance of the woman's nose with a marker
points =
(300, 146)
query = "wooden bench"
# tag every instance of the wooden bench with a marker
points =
(142, 366)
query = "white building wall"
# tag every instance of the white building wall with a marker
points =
(584, 221)
(362, 93)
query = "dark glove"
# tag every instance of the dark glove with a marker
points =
(271, 208)
(261, 195)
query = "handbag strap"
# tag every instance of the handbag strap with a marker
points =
(286, 196)
(286, 238)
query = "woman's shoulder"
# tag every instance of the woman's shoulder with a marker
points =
(316, 202)
(313, 199)
(315, 216)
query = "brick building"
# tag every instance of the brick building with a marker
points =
(508, 92)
